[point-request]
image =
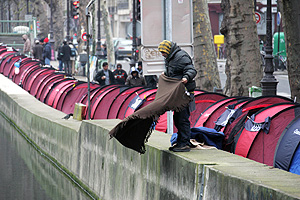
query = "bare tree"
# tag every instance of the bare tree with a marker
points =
(243, 66)
(205, 56)
(291, 26)
(108, 34)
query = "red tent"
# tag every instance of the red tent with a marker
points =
(102, 108)
(68, 99)
(46, 82)
(246, 136)
(248, 109)
(57, 89)
(35, 82)
(125, 104)
(119, 99)
(264, 146)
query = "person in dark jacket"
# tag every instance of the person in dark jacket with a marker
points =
(135, 79)
(105, 76)
(37, 50)
(178, 64)
(47, 51)
(120, 75)
(65, 57)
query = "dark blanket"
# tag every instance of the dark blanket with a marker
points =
(133, 132)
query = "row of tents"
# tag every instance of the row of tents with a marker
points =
(265, 129)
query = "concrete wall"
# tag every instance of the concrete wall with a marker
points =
(112, 171)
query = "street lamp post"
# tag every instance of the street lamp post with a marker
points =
(51, 32)
(269, 82)
(134, 45)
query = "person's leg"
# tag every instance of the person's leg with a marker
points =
(47, 61)
(60, 66)
(69, 68)
(182, 123)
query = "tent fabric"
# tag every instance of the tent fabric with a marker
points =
(26, 73)
(295, 164)
(264, 145)
(119, 99)
(248, 109)
(287, 145)
(202, 101)
(213, 117)
(145, 97)
(258, 121)
(135, 130)
(66, 103)
(124, 106)
(12, 72)
(46, 81)
(57, 90)
(48, 86)
(36, 82)
(208, 111)
(102, 108)
(99, 99)
(23, 68)
(30, 78)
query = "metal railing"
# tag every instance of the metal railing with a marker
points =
(17, 27)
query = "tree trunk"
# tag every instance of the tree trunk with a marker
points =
(243, 65)
(107, 30)
(291, 25)
(205, 56)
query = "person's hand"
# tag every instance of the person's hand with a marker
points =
(103, 77)
(184, 80)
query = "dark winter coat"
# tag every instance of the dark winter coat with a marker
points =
(47, 51)
(65, 53)
(135, 81)
(180, 65)
(101, 73)
(120, 76)
(37, 51)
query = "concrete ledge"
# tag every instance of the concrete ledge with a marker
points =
(115, 172)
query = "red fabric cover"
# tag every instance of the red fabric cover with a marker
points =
(264, 145)
(57, 90)
(102, 109)
(124, 106)
(36, 82)
(117, 102)
(46, 85)
(4, 62)
(23, 69)
(98, 100)
(247, 137)
(203, 101)
(9, 67)
(67, 101)
(210, 122)
(150, 98)
(205, 114)
(31, 77)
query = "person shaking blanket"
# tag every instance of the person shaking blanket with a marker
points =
(133, 132)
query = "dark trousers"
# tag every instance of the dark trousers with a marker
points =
(67, 66)
(182, 123)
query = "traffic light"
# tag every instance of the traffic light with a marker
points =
(75, 9)
(138, 9)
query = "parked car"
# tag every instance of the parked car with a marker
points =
(123, 49)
